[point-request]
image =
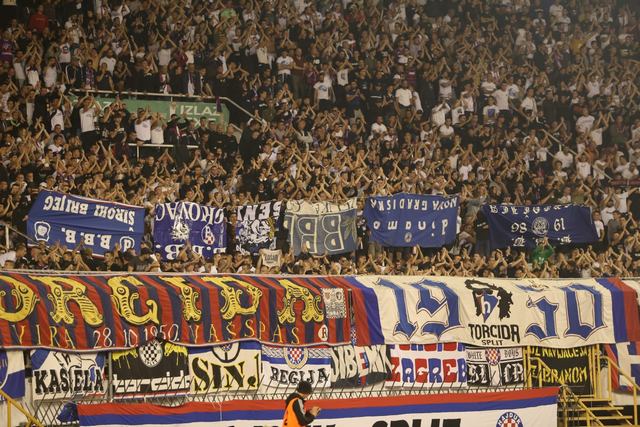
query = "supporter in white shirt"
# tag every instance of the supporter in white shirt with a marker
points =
(404, 95)
(585, 122)
(378, 127)
(143, 126)
(501, 95)
(583, 167)
(564, 157)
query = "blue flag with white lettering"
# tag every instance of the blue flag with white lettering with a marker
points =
(178, 223)
(70, 220)
(412, 219)
(526, 226)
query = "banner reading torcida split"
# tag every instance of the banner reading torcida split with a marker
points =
(122, 311)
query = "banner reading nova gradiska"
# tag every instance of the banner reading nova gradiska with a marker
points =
(154, 369)
(412, 219)
(85, 313)
(64, 375)
(176, 224)
(321, 228)
(568, 366)
(257, 225)
(98, 224)
(525, 226)
(490, 312)
(522, 408)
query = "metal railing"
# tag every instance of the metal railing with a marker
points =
(12, 403)
(170, 97)
(570, 405)
(630, 382)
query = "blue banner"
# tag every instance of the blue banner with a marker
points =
(257, 226)
(99, 225)
(321, 228)
(178, 223)
(412, 219)
(525, 226)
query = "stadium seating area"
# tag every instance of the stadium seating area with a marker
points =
(511, 101)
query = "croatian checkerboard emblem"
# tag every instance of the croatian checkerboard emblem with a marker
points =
(296, 357)
(509, 419)
(493, 356)
(151, 353)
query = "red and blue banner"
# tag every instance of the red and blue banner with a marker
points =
(530, 408)
(93, 312)
(627, 357)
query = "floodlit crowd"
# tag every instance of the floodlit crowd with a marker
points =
(500, 101)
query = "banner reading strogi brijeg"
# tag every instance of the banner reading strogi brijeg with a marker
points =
(179, 223)
(99, 225)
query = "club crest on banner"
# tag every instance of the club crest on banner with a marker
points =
(493, 356)
(151, 353)
(296, 357)
(486, 297)
(509, 419)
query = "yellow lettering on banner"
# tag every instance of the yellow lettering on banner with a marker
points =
(170, 348)
(213, 334)
(231, 295)
(189, 296)
(311, 311)
(123, 299)
(25, 298)
(60, 298)
(277, 333)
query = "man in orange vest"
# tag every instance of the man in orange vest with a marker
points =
(294, 414)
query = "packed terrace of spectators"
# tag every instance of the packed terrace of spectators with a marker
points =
(500, 101)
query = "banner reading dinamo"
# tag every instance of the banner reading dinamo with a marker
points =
(497, 312)
(87, 313)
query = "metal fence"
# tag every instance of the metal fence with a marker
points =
(47, 411)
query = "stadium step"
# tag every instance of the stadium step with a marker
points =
(602, 412)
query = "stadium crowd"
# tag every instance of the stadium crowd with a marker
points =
(500, 101)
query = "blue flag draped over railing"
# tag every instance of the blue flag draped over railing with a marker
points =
(412, 219)
(100, 225)
(178, 223)
(523, 226)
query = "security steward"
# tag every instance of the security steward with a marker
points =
(295, 414)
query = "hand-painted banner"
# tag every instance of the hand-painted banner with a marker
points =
(428, 366)
(570, 366)
(98, 224)
(525, 226)
(496, 312)
(412, 219)
(62, 375)
(627, 357)
(154, 369)
(178, 223)
(359, 366)
(12, 376)
(124, 311)
(257, 225)
(284, 367)
(225, 368)
(321, 228)
(493, 367)
(530, 408)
